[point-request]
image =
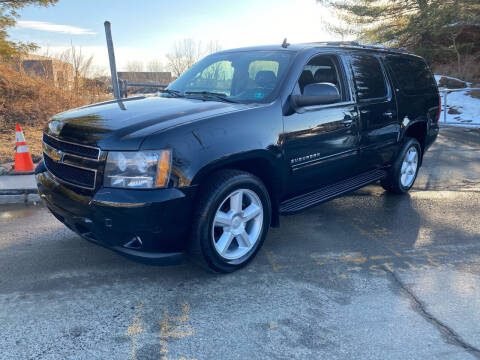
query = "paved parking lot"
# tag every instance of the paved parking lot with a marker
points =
(366, 276)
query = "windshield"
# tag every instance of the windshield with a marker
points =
(244, 76)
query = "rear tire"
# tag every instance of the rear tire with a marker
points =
(404, 171)
(230, 222)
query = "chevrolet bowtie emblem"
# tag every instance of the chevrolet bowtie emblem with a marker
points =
(54, 154)
(57, 155)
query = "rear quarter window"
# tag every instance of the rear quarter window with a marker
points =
(412, 75)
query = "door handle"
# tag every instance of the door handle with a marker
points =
(388, 114)
(347, 122)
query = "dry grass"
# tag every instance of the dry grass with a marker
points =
(33, 137)
(30, 102)
(468, 70)
(474, 93)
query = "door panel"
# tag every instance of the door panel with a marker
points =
(321, 142)
(380, 129)
(379, 133)
(321, 146)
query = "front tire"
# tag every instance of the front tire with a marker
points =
(231, 221)
(404, 171)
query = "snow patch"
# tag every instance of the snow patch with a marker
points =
(462, 109)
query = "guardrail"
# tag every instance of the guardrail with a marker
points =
(444, 101)
(124, 84)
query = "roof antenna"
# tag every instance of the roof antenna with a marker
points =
(285, 44)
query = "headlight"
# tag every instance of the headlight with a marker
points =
(138, 169)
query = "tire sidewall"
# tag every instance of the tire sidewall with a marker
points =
(398, 165)
(208, 249)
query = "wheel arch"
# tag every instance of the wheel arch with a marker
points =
(418, 130)
(260, 163)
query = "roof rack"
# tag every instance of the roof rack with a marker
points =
(399, 49)
(339, 43)
(363, 46)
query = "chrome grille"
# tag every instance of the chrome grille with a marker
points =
(71, 163)
(89, 152)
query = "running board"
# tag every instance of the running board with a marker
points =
(305, 201)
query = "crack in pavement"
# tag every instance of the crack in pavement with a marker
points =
(444, 329)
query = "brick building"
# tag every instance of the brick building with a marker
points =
(49, 68)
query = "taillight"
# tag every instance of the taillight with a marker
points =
(439, 108)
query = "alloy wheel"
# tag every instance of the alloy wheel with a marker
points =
(409, 167)
(237, 224)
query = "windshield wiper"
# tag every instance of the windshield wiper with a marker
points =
(175, 93)
(215, 95)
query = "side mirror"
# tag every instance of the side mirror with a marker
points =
(317, 94)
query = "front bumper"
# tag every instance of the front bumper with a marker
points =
(160, 218)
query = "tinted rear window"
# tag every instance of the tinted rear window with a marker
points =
(413, 75)
(369, 79)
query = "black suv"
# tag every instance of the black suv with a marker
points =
(244, 136)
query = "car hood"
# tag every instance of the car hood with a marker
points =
(124, 124)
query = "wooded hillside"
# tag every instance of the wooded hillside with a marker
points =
(445, 32)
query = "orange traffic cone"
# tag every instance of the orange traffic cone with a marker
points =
(23, 159)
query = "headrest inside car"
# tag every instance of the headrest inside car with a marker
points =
(305, 78)
(325, 75)
(265, 78)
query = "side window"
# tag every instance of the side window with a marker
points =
(412, 74)
(322, 69)
(369, 79)
(218, 76)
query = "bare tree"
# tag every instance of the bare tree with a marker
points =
(155, 66)
(97, 72)
(183, 55)
(135, 66)
(81, 64)
(212, 47)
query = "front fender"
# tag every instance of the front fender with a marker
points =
(209, 144)
(265, 164)
(270, 160)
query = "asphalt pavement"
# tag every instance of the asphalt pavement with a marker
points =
(366, 276)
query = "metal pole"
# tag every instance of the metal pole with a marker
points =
(445, 106)
(111, 56)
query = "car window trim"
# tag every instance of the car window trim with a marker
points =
(327, 106)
